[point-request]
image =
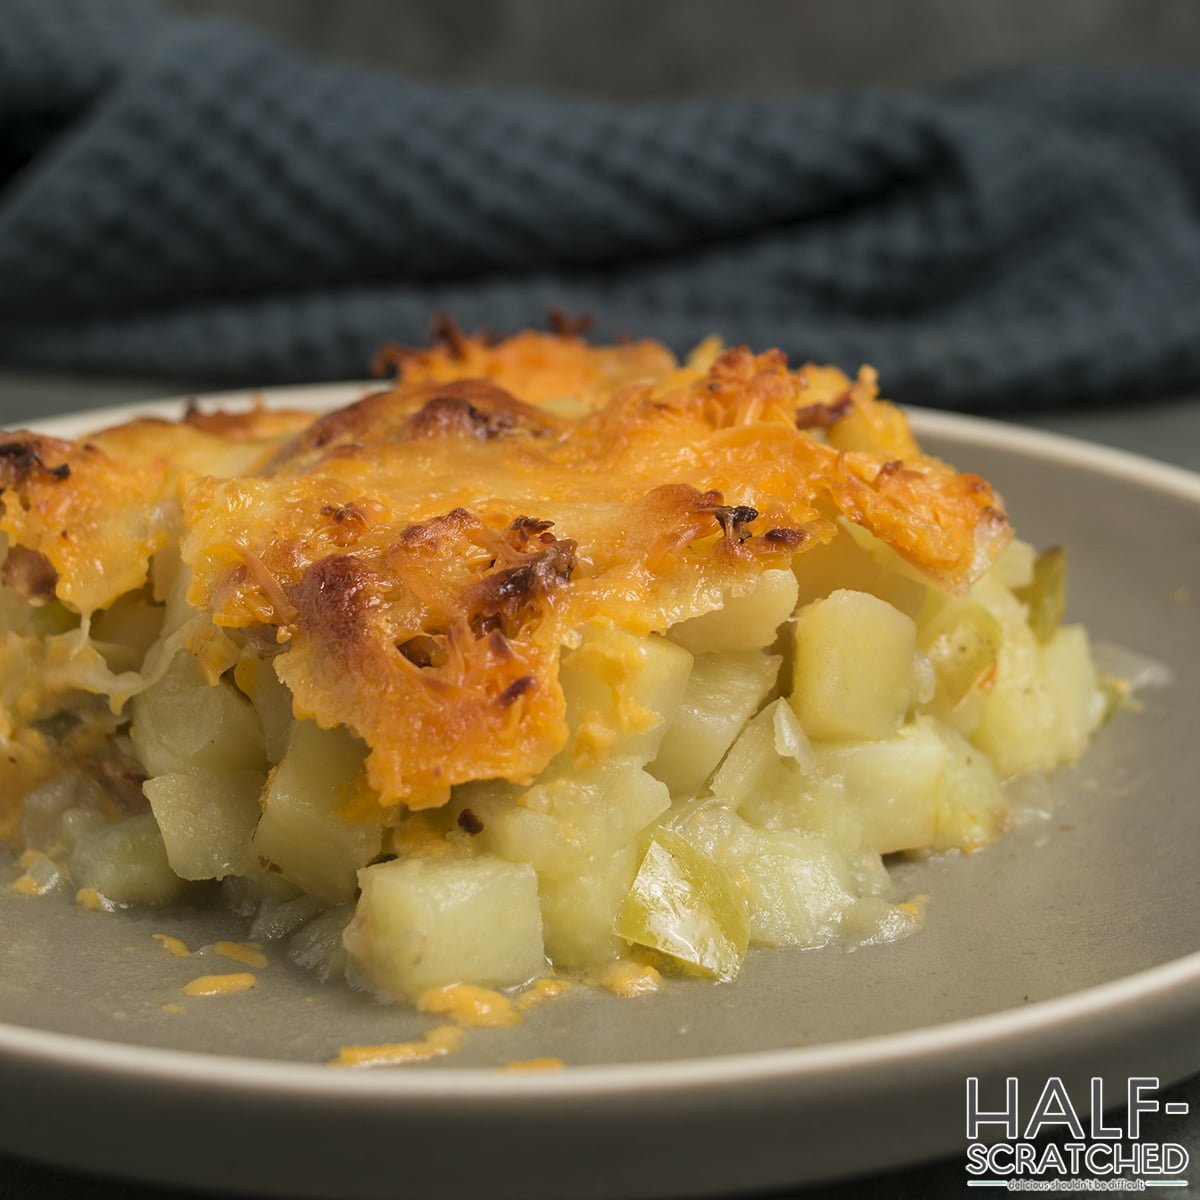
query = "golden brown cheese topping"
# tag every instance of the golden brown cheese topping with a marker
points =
(93, 512)
(419, 560)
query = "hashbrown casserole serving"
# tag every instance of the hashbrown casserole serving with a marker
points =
(545, 652)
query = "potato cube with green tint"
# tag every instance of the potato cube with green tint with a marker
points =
(125, 862)
(892, 784)
(622, 690)
(557, 824)
(971, 808)
(207, 819)
(182, 723)
(304, 831)
(424, 923)
(724, 691)
(745, 622)
(578, 909)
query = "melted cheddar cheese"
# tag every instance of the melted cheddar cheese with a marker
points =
(416, 563)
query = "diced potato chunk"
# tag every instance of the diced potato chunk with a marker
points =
(126, 862)
(1014, 565)
(858, 561)
(1017, 727)
(853, 667)
(1079, 700)
(747, 622)
(303, 831)
(963, 642)
(621, 691)
(684, 905)
(892, 783)
(816, 804)
(207, 819)
(795, 887)
(557, 824)
(427, 922)
(722, 694)
(170, 580)
(181, 723)
(578, 909)
(924, 787)
(1044, 702)
(971, 809)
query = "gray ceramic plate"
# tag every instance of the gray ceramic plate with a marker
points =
(1070, 948)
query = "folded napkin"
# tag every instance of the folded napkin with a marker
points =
(185, 198)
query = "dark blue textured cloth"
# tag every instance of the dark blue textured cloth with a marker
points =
(185, 198)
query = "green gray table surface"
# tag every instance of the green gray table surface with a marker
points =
(1168, 430)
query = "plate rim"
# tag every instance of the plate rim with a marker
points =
(1080, 1010)
(242, 1074)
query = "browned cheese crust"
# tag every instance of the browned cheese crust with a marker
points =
(418, 561)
